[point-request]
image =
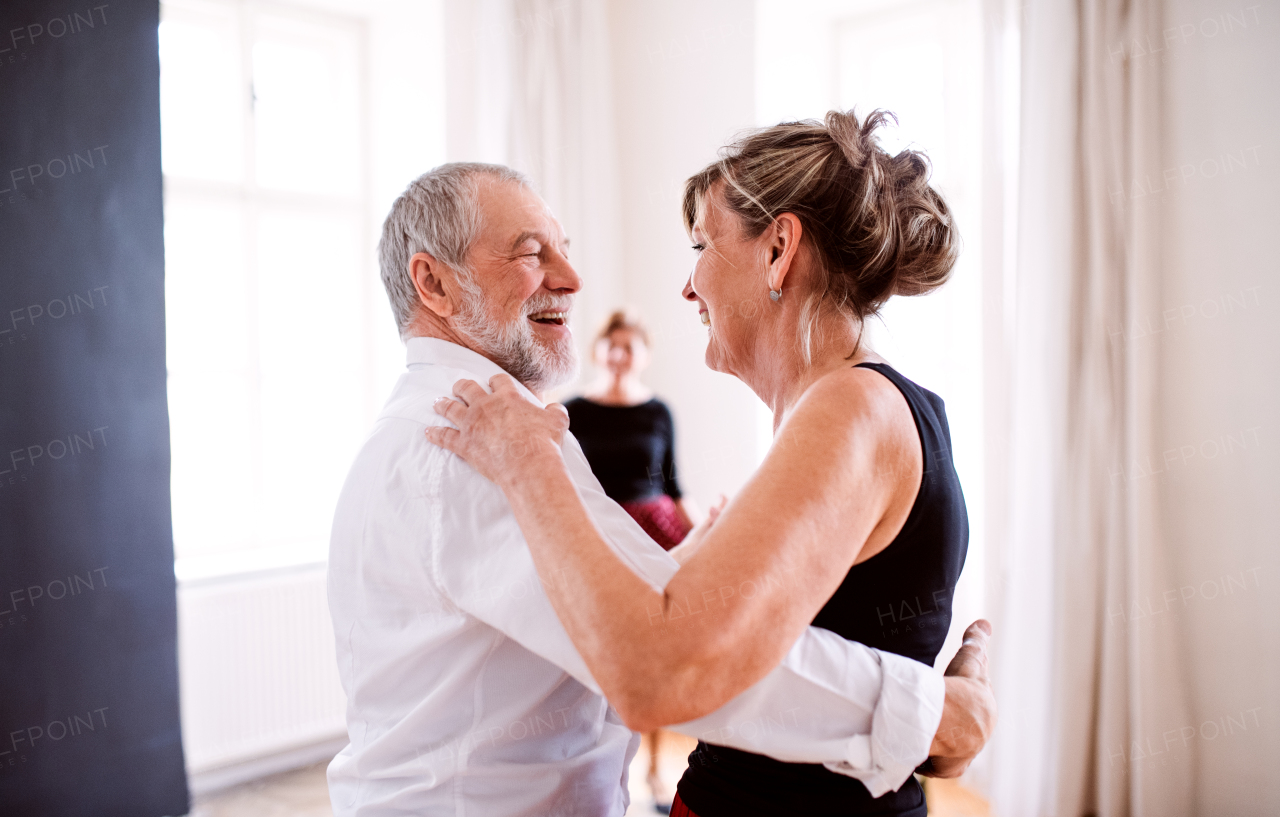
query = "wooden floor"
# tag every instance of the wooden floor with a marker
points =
(947, 798)
(303, 793)
(300, 793)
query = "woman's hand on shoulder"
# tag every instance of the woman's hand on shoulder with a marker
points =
(500, 434)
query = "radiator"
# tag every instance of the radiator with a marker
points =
(257, 669)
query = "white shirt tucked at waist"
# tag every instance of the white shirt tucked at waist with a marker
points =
(465, 696)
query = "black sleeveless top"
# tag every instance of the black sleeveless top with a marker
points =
(898, 601)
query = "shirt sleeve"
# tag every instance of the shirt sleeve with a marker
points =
(861, 712)
(481, 562)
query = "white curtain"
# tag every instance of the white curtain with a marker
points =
(1136, 652)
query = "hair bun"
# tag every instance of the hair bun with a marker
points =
(917, 231)
(858, 141)
(877, 227)
(929, 238)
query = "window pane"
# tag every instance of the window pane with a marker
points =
(202, 93)
(267, 343)
(310, 330)
(206, 284)
(211, 402)
(306, 109)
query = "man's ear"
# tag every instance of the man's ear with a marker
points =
(429, 279)
(780, 252)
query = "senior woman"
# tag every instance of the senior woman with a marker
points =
(854, 521)
(628, 435)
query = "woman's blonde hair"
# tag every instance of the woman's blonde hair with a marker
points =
(876, 226)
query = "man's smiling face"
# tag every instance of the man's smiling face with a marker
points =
(516, 309)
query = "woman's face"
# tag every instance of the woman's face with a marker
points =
(728, 284)
(621, 353)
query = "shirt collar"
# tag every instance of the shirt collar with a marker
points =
(436, 352)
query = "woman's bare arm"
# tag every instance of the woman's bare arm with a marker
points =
(838, 482)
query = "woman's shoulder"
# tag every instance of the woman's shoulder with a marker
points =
(855, 401)
(852, 386)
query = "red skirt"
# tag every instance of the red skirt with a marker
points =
(679, 809)
(660, 519)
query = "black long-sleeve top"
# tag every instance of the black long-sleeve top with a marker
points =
(631, 449)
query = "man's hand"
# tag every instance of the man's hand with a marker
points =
(969, 713)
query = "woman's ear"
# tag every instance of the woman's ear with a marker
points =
(429, 280)
(784, 243)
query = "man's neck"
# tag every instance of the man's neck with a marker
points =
(436, 328)
(430, 325)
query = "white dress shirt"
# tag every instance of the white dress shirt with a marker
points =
(465, 696)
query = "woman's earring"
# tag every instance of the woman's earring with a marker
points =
(775, 294)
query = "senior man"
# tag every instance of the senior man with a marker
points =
(465, 695)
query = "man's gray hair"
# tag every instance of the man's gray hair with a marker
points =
(438, 213)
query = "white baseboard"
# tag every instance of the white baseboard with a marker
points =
(212, 780)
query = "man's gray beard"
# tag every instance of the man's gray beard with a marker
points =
(513, 346)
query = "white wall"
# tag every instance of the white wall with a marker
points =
(683, 86)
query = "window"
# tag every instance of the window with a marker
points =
(268, 276)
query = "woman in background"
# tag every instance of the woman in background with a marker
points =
(628, 437)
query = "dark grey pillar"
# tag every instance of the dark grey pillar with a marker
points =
(88, 661)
